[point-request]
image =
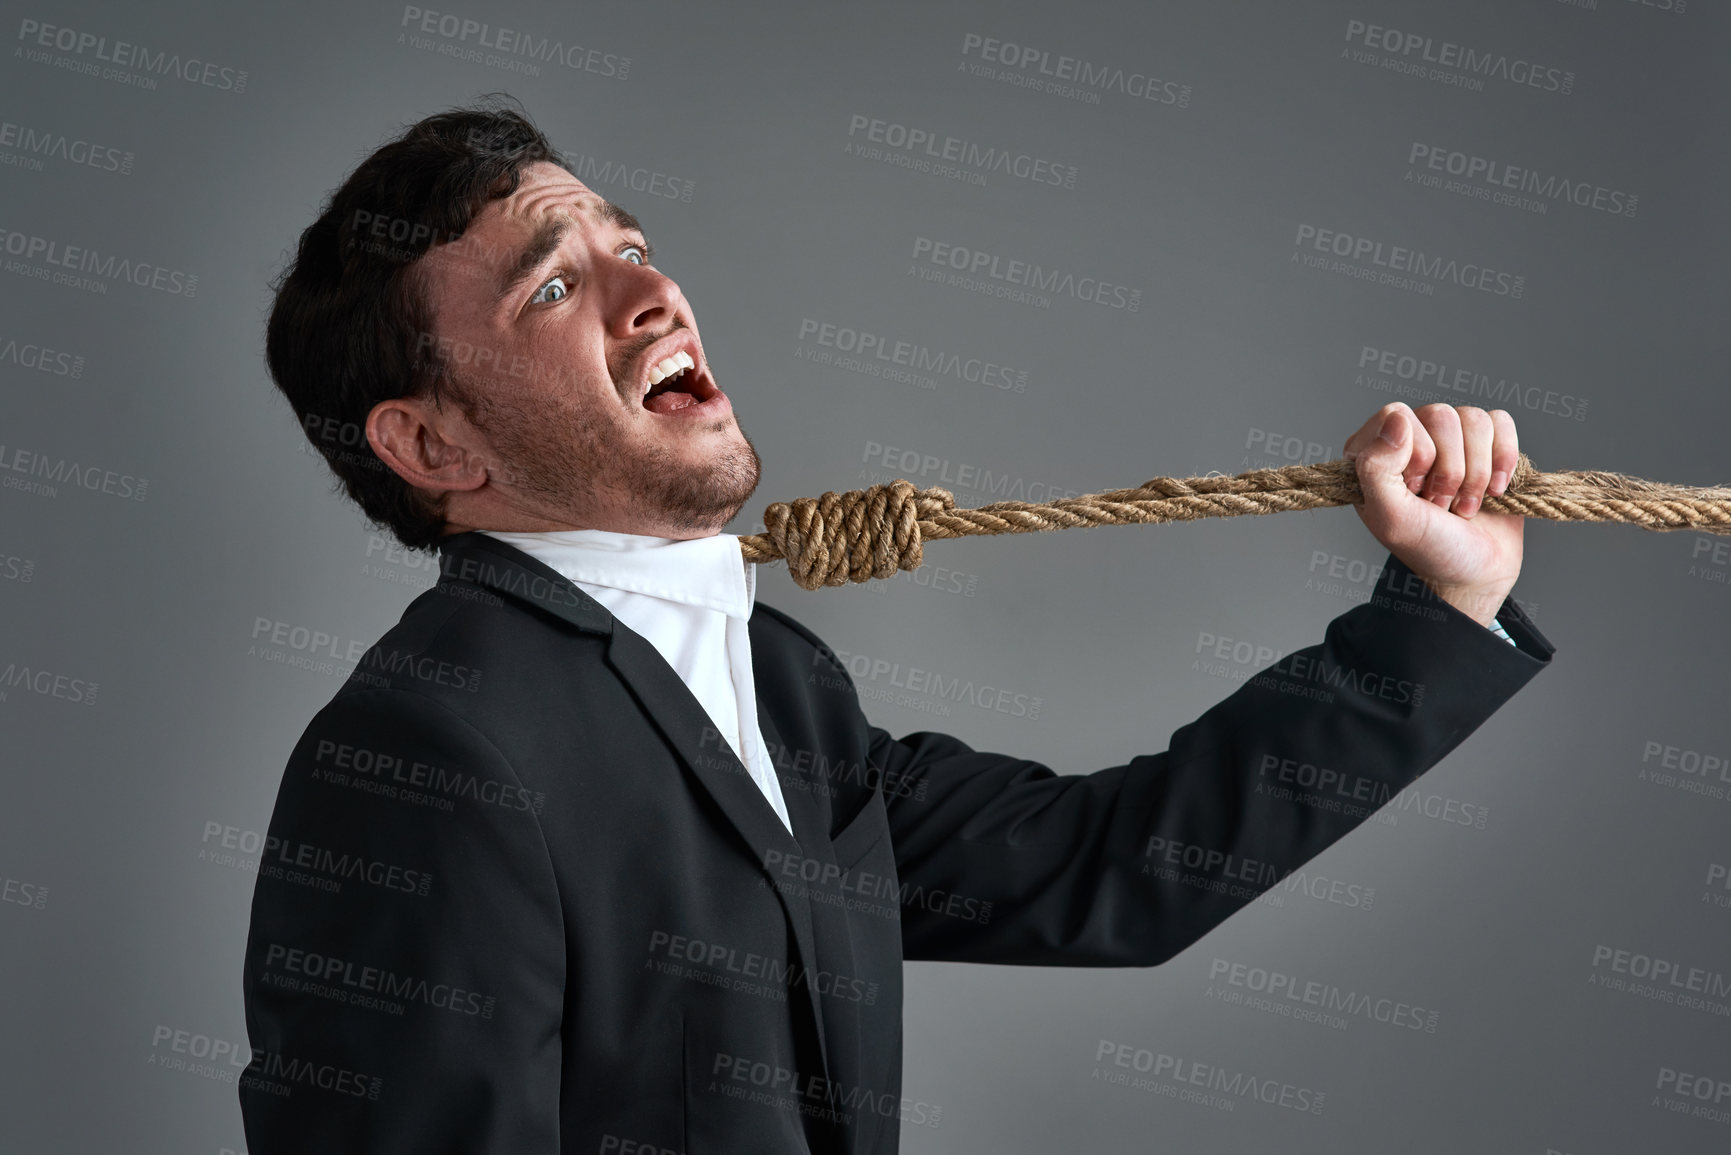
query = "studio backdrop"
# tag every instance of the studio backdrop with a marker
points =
(1019, 251)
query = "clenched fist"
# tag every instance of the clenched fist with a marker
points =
(1424, 474)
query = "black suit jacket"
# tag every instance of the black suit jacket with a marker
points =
(518, 897)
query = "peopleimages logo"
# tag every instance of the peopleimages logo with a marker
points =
(922, 148)
(47, 683)
(34, 144)
(994, 273)
(1292, 996)
(42, 474)
(25, 894)
(1420, 377)
(1705, 773)
(1661, 979)
(38, 41)
(1427, 58)
(465, 39)
(595, 173)
(29, 355)
(1025, 66)
(357, 984)
(1206, 1084)
(1496, 181)
(935, 685)
(45, 258)
(1708, 1092)
(912, 355)
(959, 477)
(1368, 259)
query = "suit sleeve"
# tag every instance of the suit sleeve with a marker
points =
(1002, 860)
(405, 969)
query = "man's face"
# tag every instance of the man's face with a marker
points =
(551, 323)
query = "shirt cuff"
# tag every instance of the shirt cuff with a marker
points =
(1496, 628)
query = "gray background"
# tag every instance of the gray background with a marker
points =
(124, 820)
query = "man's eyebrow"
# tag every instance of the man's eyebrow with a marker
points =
(548, 237)
(606, 210)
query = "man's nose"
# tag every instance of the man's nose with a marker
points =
(643, 299)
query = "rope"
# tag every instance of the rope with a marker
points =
(873, 533)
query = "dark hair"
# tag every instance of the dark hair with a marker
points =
(350, 324)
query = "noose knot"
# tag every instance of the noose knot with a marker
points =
(853, 536)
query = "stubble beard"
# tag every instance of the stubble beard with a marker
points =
(571, 468)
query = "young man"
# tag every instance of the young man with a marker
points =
(592, 853)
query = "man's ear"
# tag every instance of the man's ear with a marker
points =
(416, 442)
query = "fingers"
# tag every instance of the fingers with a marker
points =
(1505, 450)
(1413, 465)
(1457, 453)
(1424, 452)
(1477, 435)
(1471, 445)
(1442, 480)
(1380, 462)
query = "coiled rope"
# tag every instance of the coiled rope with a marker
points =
(872, 533)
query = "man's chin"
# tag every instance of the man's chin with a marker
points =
(706, 495)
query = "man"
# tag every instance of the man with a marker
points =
(593, 854)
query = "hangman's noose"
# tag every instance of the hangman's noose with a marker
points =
(872, 533)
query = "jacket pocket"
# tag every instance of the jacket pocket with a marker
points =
(862, 832)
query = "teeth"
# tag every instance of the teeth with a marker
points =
(670, 367)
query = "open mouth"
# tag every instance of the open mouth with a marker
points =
(675, 383)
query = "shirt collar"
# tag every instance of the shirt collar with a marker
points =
(708, 572)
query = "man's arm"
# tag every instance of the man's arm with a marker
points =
(1001, 860)
(405, 968)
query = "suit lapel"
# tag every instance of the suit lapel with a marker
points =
(679, 716)
(672, 708)
(810, 826)
(666, 699)
(682, 719)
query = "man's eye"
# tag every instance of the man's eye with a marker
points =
(555, 286)
(642, 254)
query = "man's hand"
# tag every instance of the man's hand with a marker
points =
(1424, 476)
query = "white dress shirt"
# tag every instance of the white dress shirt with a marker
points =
(689, 599)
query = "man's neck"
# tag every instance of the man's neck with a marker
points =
(517, 521)
(636, 530)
